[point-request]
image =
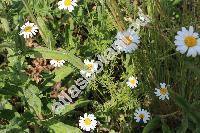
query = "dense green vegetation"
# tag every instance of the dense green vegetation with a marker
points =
(29, 84)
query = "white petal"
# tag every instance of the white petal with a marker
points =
(167, 97)
(70, 8)
(162, 85)
(180, 33)
(180, 38)
(198, 49)
(179, 42)
(191, 52)
(191, 30)
(182, 49)
(196, 35)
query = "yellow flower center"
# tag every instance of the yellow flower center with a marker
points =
(163, 91)
(67, 2)
(141, 116)
(190, 41)
(132, 81)
(87, 121)
(28, 29)
(127, 40)
(90, 66)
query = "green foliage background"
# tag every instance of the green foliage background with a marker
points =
(89, 30)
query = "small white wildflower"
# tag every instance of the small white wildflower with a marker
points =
(67, 5)
(162, 93)
(132, 82)
(188, 41)
(141, 115)
(127, 41)
(28, 30)
(56, 63)
(88, 122)
(91, 68)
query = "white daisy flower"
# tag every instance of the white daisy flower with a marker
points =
(141, 115)
(132, 82)
(67, 5)
(162, 93)
(91, 68)
(28, 30)
(188, 41)
(88, 122)
(127, 41)
(56, 63)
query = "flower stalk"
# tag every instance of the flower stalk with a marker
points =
(33, 18)
(112, 5)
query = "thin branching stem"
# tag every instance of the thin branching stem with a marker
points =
(33, 18)
(112, 5)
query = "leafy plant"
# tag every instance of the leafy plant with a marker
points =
(26, 97)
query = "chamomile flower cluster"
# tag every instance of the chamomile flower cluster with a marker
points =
(187, 42)
(56, 63)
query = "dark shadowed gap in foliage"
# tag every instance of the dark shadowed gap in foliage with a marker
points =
(2, 58)
(16, 102)
(174, 121)
(97, 96)
(118, 69)
(4, 121)
(81, 32)
(60, 43)
(92, 6)
(1, 40)
(190, 5)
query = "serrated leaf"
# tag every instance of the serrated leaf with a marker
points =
(46, 34)
(151, 125)
(33, 100)
(57, 55)
(12, 59)
(61, 73)
(63, 128)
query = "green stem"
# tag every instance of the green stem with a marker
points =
(34, 19)
(112, 5)
(171, 114)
